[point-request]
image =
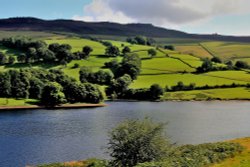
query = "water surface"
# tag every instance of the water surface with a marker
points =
(45, 136)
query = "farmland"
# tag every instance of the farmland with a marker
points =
(166, 68)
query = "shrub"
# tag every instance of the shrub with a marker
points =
(134, 142)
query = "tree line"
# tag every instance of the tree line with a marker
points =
(38, 51)
(51, 87)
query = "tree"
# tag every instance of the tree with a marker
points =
(216, 60)
(206, 66)
(35, 90)
(152, 52)
(19, 83)
(11, 60)
(119, 86)
(241, 64)
(141, 40)
(169, 47)
(86, 51)
(112, 51)
(75, 92)
(134, 141)
(21, 58)
(52, 95)
(85, 74)
(103, 77)
(49, 56)
(3, 59)
(5, 85)
(156, 91)
(131, 65)
(126, 50)
(31, 55)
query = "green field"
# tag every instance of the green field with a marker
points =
(166, 68)
(222, 94)
(146, 81)
(77, 44)
(228, 50)
(195, 50)
(16, 102)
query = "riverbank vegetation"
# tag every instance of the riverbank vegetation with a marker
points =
(135, 143)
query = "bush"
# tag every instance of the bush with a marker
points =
(134, 142)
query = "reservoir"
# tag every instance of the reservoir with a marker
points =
(31, 137)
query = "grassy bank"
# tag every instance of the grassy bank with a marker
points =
(240, 160)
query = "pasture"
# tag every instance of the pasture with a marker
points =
(222, 94)
(228, 50)
(145, 81)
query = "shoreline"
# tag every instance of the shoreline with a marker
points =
(65, 106)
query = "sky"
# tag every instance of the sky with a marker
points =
(227, 17)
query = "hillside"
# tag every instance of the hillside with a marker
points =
(105, 28)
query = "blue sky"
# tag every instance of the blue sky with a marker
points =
(206, 16)
(46, 9)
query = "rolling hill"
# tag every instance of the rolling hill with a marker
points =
(105, 28)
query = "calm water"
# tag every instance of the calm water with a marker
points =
(42, 136)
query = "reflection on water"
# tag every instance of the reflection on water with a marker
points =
(43, 136)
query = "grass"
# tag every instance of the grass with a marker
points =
(77, 44)
(17, 102)
(145, 81)
(240, 160)
(189, 59)
(233, 75)
(194, 50)
(228, 50)
(159, 65)
(222, 94)
(95, 63)
(32, 34)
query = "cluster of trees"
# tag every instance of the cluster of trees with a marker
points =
(38, 51)
(141, 40)
(209, 65)
(182, 87)
(131, 65)
(114, 51)
(153, 93)
(169, 47)
(6, 59)
(50, 87)
(100, 77)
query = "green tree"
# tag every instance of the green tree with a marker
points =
(75, 92)
(156, 91)
(35, 90)
(112, 51)
(3, 58)
(131, 65)
(126, 50)
(133, 142)
(52, 95)
(152, 52)
(19, 83)
(21, 58)
(85, 74)
(141, 40)
(119, 86)
(241, 64)
(87, 50)
(11, 60)
(216, 60)
(5, 84)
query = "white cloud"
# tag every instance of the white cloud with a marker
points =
(100, 10)
(170, 13)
